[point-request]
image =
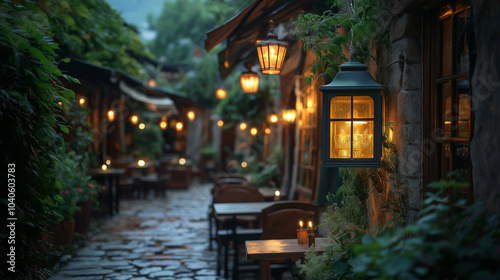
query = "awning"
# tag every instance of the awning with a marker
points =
(252, 23)
(159, 104)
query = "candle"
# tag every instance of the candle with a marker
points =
(301, 234)
(104, 167)
(311, 238)
(277, 196)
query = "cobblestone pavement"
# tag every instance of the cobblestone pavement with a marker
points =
(160, 238)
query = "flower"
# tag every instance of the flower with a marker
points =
(104, 188)
(91, 185)
(66, 192)
(79, 190)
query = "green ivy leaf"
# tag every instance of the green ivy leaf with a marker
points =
(64, 128)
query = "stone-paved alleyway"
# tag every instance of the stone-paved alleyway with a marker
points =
(161, 238)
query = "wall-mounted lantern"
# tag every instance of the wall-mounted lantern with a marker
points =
(220, 93)
(351, 125)
(249, 80)
(271, 52)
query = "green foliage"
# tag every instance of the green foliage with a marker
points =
(29, 116)
(449, 241)
(223, 10)
(180, 27)
(329, 34)
(267, 173)
(148, 142)
(93, 31)
(200, 85)
(209, 152)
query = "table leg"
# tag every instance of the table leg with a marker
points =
(235, 246)
(265, 270)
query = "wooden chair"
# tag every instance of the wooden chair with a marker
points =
(230, 194)
(126, 181)
(280, 221)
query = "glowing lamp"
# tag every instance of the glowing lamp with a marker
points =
(111, 115)
(141, 163)
(271, 52)
(163, 125)
(191, 115)
(108, 162)
(104, 167)
(134, 119)
(179, 126)
(273, 118)
(220, 123)
(81, 101)
(243, 126)
(182, 161)
(249, 81)
(142, 126)
(288, 115)
(152, 82)
(253, 131)
(351, 126)
(220, 93)
(244, 164)
(267, 131)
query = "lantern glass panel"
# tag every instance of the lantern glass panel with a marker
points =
(363, 139)
(340, 107)
(340, 135)
(363, 107)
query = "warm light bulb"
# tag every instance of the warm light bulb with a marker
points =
(104, 167)
(243, 126)
(221, 93)
(191, 115)
(273, 118)
(277, 193)
(267, 131)
(134, 119)
(141, 162)
(253, 131)
(179, 126)
(142, 126)
(60, 103)
(81, 101)
(152, 82)
(310, 225)
(108, 162)
(163, 124)
(111, 115)
(244, 164)
(182, 161)
(220, 123)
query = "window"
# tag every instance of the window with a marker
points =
(308, 133)
(447, 96)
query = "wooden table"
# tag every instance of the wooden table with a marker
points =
(233, 210)
(274, 249)
(268, 193)
(279, 249)
(109, 175)
(144, 168)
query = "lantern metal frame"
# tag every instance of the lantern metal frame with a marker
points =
(265, 60)
(353, 80)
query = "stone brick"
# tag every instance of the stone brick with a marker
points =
(414, 189)
(409, 107)
(410, 161)
(412, 77)
(411, 133)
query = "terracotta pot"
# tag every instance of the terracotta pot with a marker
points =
(82, 217)
(63, 233)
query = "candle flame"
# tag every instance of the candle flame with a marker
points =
(301, 224)
(310, 225)
(104, 167)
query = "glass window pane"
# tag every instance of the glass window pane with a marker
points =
(340, 135)
(363, 107)
(446, 109)
(363, 139)
(446, 46)
(464, 108)
(462, 45)
(340, 107)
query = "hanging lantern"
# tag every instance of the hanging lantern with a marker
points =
(82, 101)
(220, 93)
(288, 115)
(111, 115)
(271, 52)
(163, 125)
(253, 131)
(220, 123)
(352, 119)
(243, 126)
(273, 118)
(249, 80)
(191, 115)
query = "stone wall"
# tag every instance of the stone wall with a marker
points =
(400, 71)
(485, 146)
